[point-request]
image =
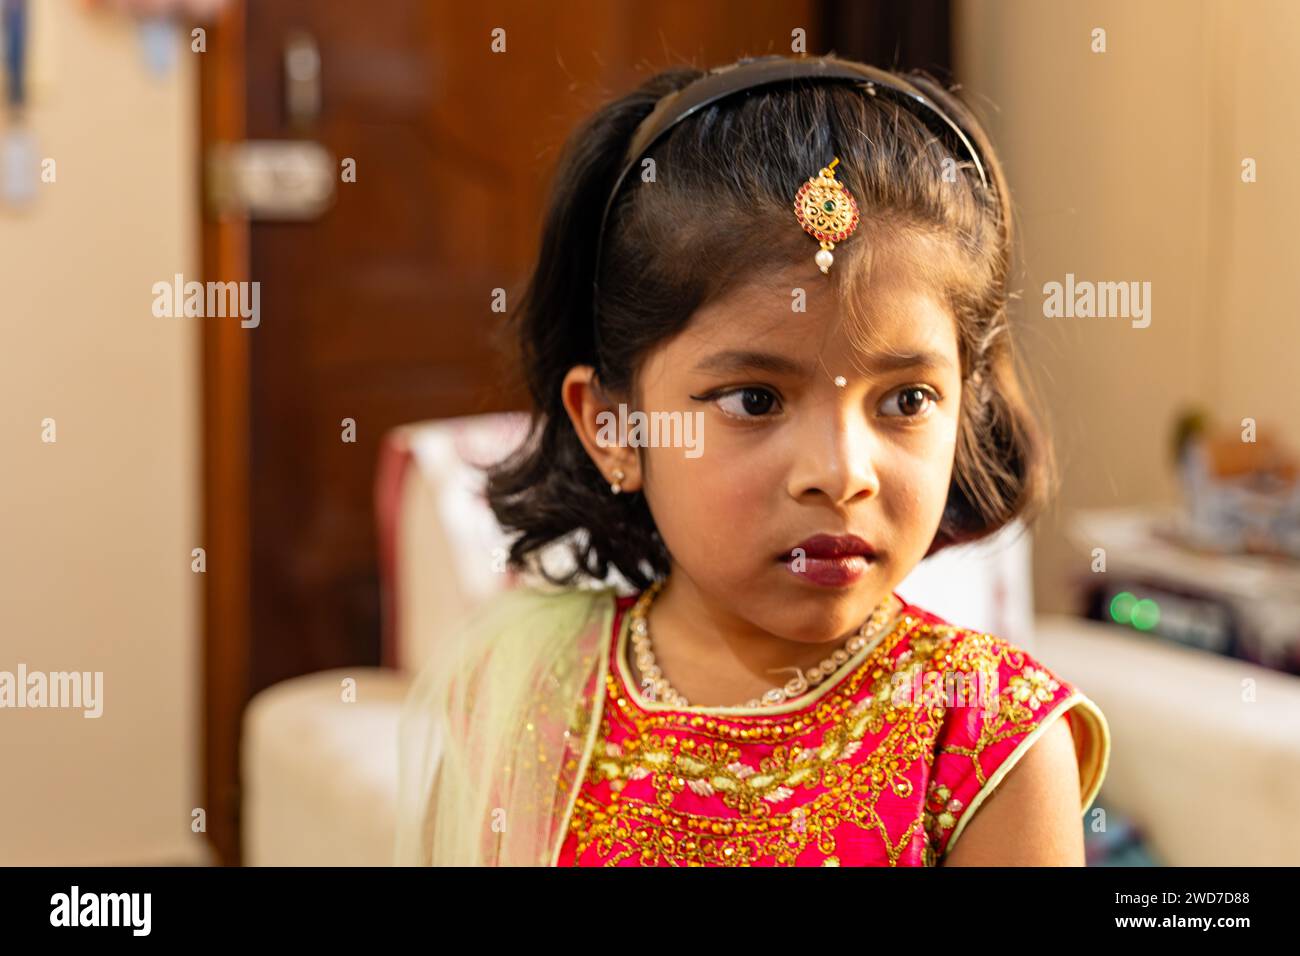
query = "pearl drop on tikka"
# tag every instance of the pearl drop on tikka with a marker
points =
(824, 260)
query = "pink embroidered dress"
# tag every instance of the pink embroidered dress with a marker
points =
(884, 765)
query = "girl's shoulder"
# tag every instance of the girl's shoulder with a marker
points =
(996, 700)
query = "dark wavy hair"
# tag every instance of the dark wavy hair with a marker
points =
(718, 211)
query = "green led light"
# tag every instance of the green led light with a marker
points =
(1121, 607)
(1146, 614)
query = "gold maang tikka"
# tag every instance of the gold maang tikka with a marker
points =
(827, 211)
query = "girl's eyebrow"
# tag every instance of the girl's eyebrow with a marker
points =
(738, 360)
(742, 360)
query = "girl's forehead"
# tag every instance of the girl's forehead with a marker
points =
(882, 265)
(800, 310)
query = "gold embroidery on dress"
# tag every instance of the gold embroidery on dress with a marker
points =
(713, 766)
(1013, 713)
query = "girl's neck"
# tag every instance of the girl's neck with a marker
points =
(714, 659)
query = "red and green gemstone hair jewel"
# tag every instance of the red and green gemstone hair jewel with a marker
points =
(827, 211)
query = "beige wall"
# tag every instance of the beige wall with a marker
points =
(1125, 166)
(1256, 327)
(96, 529)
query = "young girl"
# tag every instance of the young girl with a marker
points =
(795, 271)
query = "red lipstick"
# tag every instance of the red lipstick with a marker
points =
(829, 560)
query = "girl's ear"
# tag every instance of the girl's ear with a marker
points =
(598, 423)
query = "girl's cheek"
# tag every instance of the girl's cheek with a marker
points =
(915, 487)
(734, 487)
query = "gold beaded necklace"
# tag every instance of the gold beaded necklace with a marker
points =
(650, 672)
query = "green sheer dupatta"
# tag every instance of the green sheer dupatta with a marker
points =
(497, 730)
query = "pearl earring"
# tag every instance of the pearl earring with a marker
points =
(617, 485)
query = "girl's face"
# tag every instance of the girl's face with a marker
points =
(787, 453)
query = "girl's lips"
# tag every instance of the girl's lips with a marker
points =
(830, 572)
(832, 546)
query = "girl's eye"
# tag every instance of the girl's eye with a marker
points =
(910, 401)
(746, 402)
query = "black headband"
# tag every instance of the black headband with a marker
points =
(747, 74)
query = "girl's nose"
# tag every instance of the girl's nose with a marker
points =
(834, 457)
